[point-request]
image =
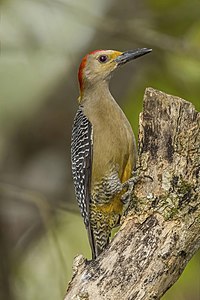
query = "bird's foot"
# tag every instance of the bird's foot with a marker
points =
(129, 185)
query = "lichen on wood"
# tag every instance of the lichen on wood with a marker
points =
(160, 234)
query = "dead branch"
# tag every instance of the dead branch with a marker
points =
(160, 234)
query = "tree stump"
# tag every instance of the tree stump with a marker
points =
(161, 231)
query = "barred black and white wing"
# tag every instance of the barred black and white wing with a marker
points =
(81, 156)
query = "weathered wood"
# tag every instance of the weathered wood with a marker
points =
(161, 232)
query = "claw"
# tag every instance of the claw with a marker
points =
(129, 184)
(126, 198)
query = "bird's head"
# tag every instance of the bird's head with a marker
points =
(98, 65)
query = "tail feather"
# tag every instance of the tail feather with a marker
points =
(92, 241)
(97, 244)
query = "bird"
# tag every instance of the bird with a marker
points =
(103, 147)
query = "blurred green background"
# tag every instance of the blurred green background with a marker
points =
(42, 43)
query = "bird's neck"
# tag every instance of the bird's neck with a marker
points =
(95, 92)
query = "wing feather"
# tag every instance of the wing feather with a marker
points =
(81, 156)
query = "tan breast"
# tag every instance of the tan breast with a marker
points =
(113, 139)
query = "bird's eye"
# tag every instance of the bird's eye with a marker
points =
(103, 58)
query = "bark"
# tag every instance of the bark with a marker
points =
(160, 233)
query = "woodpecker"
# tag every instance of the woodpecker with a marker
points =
(103, 148)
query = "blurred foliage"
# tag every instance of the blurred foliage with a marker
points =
(42, 42)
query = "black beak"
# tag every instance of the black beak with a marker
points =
(131, 54)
